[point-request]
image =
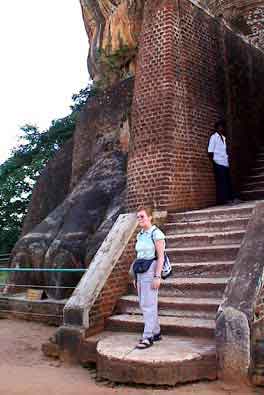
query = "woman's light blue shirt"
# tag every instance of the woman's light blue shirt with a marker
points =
(145, 247)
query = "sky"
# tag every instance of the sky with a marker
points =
(44, 50)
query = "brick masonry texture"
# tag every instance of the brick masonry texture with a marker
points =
(191, 71)
(115, 286)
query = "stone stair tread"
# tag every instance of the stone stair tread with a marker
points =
(252, 190)
(166, 362)
(197, 264)
(203, 221)
(209, 222)
(206, 226)
(98, 336)
(205, 265)
(257, 168)
(196, 281)
(215, 209)
(178, 300)
(203, 248)
(252, 184)
(259, 175)
(180, 281)
(168, 321)
(89, 344)
(204, 234)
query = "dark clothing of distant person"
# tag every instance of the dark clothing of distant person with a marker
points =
(218, 152)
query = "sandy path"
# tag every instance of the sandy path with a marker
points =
(24, 370)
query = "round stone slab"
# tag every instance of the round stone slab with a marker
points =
(168, 362)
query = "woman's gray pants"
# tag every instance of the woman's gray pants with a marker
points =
(148, 301)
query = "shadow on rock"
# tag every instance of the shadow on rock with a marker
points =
(73, 232)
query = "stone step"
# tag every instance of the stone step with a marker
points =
(88, 352)
(257, 170)
(260, 159)
(255, 178)
(194, 287)
(254, 185)
(195, 327)
(256, 194)
(202, 269)
(171, 361)
(203, 254)
(18, 306)
(217, 225)
(205, 239)
(171, 306)
(220, 212)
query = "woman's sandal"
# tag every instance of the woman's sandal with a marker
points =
(144, 343)
(157, 337)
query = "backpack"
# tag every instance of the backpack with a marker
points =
(167, 269)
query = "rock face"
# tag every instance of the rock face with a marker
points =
(245, 16)
(71, 233)
(235, 324)
(50, 190)
(113, 27)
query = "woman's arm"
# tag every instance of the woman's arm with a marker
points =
(160, 249)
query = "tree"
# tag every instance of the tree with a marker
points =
(18, 174)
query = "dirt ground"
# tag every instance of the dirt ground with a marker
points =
(24, 370)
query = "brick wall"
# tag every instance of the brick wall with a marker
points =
(244, 70)
(115, 286)
(183, 84)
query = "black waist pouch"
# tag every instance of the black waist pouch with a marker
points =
(142, 265)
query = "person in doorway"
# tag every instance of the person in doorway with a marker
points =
(150, 248)
(217, 151)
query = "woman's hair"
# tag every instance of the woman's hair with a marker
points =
(148, 210)
(220, 123)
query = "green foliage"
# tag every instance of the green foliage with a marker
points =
(18, 174)
(81, 98)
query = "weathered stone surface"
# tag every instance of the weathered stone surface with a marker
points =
(71, 233)
(51, 188)
(242, 290)
(50, 350)
(63, 238)
(111, 26)
(235, 332)
(233, 345)
(244, 16)
(103, 126)
(47, 311)
(172, 361)
(69, 341)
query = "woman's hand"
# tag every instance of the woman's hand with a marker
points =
(156, 283)
(135, 284)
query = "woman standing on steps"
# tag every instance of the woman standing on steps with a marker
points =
(150, 247)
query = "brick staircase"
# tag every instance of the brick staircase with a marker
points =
(202, 246)
(253, 187)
